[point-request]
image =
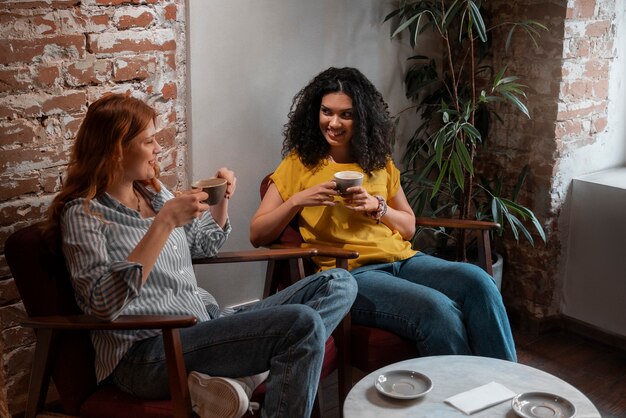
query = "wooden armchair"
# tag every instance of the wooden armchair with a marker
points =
(372, 348)
(64, 351)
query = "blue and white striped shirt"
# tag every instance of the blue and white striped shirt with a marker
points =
(96, 246)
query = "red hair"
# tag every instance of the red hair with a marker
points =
(110, 124)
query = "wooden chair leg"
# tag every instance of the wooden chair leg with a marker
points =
(40, 373)
(484, 251)
(344, 363)
(177, 374)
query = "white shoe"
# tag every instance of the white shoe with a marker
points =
(222, 397)
(250, 383)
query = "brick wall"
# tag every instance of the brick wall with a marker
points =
(56, 57)
(568, 98)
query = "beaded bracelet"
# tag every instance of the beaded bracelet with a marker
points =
(380, 211)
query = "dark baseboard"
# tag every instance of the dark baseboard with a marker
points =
(594, 333)
(555, 323)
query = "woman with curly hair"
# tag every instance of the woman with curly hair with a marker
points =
(340, 122)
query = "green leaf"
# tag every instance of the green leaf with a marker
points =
(464, 155)
(457, 170)
(514, 222)
(517, 102)
(405, 25)
(477, 21)
(448, 18)
(392, 14)
(437, 184)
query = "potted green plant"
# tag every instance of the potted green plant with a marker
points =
(455, 97)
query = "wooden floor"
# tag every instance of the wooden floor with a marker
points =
(597, 370)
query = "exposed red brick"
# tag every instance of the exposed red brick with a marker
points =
(26, 159)
(18, 131)
(170, 12)
(8, 295)
(170, 179)
(600, 89)
(99, 19)
(142, 21)
(128, 41)
(169, 91)
(51, 180)
(597, 28)
(88, 72)
(16, 337)
(170, 60)
(596, 69)
(567, 128)
(16, 80)
(46, 76)
(134, 68)
(18, 185)
(599, 124)
(71, 102)
(581, 9)
(54, 4)
(172, 117)
(581, 112)
(42, 22)
(167, 137)
(26, 50)
(118, 2)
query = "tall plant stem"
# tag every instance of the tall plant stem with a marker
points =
(467, 189)
(445, 35)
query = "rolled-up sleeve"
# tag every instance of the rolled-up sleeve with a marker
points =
(103, 286)
(205, 237)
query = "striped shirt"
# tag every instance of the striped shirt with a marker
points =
(96, 246)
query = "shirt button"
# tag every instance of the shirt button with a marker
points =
(175, 248)
(181, 271)
(195, 292)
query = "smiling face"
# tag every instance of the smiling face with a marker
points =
(336, 118)
(140, 156)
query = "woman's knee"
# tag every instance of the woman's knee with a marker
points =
(344, 283)
(304, 322)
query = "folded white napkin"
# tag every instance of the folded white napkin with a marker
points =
(480, 398)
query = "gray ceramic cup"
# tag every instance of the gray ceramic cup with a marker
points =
(215, 187)
(346, 179)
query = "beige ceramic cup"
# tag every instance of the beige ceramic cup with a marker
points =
(346, 179)
(215, 187)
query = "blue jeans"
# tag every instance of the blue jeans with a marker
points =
(445, 307)
(284, 333)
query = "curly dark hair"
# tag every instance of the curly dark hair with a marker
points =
(372, 127)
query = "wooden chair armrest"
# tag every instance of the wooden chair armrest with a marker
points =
(89, 322)
(261, 254)
(456, 223)
(336, 252)
(323, 251)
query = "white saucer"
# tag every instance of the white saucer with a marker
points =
(542, 405)
(403, 384)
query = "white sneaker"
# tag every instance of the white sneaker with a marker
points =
(222, 397)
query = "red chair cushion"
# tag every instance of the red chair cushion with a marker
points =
(373, 348)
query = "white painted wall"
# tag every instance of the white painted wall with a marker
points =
(247, 59)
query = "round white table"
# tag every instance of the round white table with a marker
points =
(455, 374)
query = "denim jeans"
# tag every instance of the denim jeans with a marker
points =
(284, 333)
(445, 307)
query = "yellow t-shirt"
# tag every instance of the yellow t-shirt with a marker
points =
(339, 226)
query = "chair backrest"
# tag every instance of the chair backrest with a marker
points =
(291, 233)
(44, 284)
